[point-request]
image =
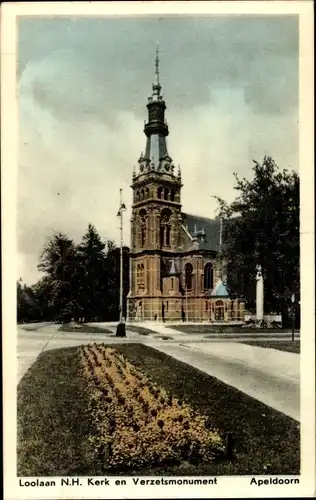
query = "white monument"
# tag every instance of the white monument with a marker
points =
(259, 295)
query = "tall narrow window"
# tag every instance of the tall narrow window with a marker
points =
(208, 276)
(140, 277)
(165, 227)
(143, 236)
(147, 193)
(172, 195)
(166, 194)
(142, 228)
(159, 192)
(188, 276)
(168, 236)
(162, 236)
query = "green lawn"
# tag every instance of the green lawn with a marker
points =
(139, 329)
(280, 345)
(222, 329)
(53, 423)
(84, 328)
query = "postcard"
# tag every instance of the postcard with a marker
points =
(158, 250)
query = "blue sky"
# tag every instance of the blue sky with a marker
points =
(231, 88)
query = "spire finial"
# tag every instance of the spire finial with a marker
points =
(157, 64)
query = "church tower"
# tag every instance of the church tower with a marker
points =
(155, 221)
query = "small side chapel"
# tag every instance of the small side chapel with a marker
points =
(175, 266)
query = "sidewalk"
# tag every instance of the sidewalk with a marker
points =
(277, 363)
(273, 389)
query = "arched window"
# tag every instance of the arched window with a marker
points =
(208, 276)
(219, 310)
(147, 192)
(142, 196)
(166, 194)
(140, 276)
(188, 276)
(165, 228)
(159, 192)
(137, 196)
(172, 195)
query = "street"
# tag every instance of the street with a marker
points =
(268, 375)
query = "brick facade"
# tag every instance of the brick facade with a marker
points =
(173, 268)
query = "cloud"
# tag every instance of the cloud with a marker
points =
(230, 87)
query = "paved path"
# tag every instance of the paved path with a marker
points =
(272, 385)
(267, 375)
(32, 340)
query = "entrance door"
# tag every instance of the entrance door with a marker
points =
(219, 310)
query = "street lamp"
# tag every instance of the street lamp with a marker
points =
(120, 330)
(293, 314)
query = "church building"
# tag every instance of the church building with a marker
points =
(175, 258)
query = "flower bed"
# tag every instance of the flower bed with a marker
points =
(136, 421)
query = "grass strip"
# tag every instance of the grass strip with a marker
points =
(241, 337)
(267, 442)
(53, 423)
(226, 329)
(84, 329)
(33, 327)
(283, 345)
(139, 329)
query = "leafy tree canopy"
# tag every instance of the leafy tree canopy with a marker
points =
(261, 227)
(80, 282)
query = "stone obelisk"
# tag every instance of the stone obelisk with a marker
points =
(259, 295)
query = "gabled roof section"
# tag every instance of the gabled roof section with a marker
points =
(169, 267)
(206, 231)
(173, 271)
(219, 290)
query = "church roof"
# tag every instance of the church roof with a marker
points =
(169, 267)
(207, 230)
(219, 290)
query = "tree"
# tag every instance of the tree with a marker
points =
(261, 226)
(27, 306)
(80, 282)
(93, 274)
(59, 261)
(42, 295)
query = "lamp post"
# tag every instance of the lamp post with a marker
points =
(120, 331)
(186, 302)
(293, 314)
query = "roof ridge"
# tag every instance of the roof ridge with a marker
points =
(199, 216)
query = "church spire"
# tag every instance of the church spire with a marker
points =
(156, 128)
(156, 85)
(157, 65)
